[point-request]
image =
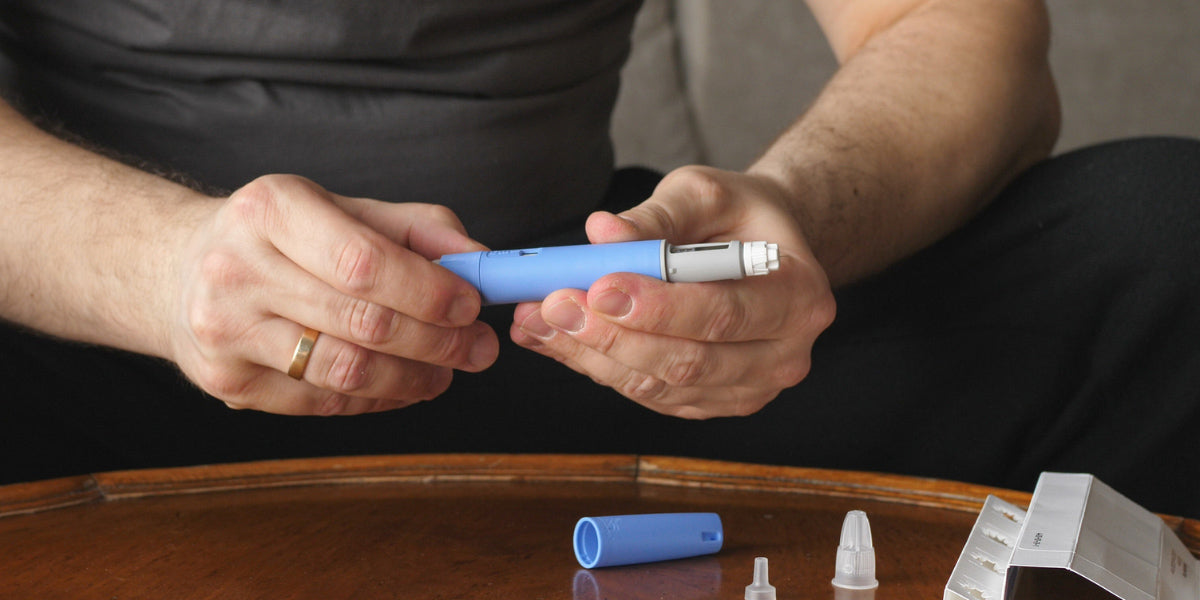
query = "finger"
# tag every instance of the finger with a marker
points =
(354, 259)
(274, 392)
(530, 331)
(428, 229)
(298, 297)
(676, 362)
(652, 392)
(733, 311)
(348, 369)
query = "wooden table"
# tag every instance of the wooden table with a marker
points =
(465, 526)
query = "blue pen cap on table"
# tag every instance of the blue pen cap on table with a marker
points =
(632, 539)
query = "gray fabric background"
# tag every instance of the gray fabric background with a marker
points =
(714, 81)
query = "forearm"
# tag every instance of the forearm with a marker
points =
(86, 243)
(927, 118)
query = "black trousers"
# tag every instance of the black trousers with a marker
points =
(1060, 330)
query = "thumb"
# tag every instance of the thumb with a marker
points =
(689, 205)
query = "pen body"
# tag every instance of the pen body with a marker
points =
(531, 274)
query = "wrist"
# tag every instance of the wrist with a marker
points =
(190, 219)
(86, 244)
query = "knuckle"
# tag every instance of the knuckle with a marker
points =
(349, 369)
(688, 366)
(331, 404)
(604, 339)
(658, 215)
(223, 383)
(642, 388)
(747, 404)
(689, 412)
(221, 275)
(662, 314)
(375, 405)
(819, 308)
(220, 270)
(689, 176)
(362, 406)
(370, 322)
(823, 313)
(435, 302)
(726, 322)
(440, 214)
(791, 372)
(358, 264)
(278, 185)
(449, 348)
(702, 183)
(210, 326)
(257, 202)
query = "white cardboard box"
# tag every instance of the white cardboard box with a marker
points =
(1079, 539)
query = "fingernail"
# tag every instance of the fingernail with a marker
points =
(535, 326)
(566, 315)
(613, 302)
(463, 310)
(623, 216)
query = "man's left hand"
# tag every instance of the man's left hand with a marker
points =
(693, 350)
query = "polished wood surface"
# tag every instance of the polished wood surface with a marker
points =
(466, 526)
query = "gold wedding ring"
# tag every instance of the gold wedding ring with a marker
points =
(303, 351)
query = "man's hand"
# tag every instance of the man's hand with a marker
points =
(936, 106)
(693, 350)
(282, 255)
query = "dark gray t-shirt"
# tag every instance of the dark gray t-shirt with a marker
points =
(496, 108)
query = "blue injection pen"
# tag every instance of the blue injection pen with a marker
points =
(508, 276)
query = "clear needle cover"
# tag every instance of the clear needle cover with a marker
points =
(856, 554)
(760, 589)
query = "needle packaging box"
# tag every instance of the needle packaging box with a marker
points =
(1079, 539)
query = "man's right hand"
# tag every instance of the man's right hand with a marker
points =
(282, 255)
